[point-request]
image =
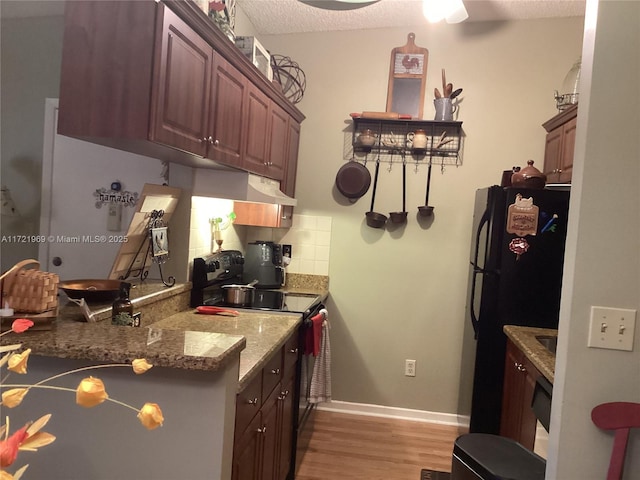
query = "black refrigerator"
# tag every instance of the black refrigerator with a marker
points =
(517, 255)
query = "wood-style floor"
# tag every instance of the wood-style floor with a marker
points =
(355, 447)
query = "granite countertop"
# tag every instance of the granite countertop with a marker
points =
(73, 338)
(103, 342)
(184, 340)
(265, 333)
(141, 294)
(525, 339)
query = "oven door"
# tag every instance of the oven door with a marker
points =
(306, 409)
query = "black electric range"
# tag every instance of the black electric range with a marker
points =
(210, 273)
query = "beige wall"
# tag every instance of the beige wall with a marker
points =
(401, 295)
(31, 51)
(603, 261)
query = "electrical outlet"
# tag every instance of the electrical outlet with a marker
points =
(287, 250)
(612, 328)
(410, 368)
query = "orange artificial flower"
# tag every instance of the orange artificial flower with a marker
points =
(12, 398)
(18, 361)
(20, 325)
(140, 365)
(90, 392)
(151, 416)
(4, 475)
(9, 447)
(28, 438)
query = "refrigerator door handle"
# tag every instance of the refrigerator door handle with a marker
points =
(476, 270)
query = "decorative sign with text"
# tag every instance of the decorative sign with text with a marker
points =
(115, 196)
(522, 217)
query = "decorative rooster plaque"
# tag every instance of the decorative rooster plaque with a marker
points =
(407, 79)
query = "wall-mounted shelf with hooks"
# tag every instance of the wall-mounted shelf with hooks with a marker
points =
(392, 140)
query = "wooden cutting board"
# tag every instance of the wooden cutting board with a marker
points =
(407, 78)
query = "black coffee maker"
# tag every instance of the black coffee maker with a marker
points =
(263, 262)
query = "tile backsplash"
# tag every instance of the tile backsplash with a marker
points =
(310, 240)
(200, 238)
(309, 236)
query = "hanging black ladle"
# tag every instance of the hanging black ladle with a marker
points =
(426, 210)
(375, 219)
(401, 217)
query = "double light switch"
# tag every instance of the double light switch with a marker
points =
(612, 328)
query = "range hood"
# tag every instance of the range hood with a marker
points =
(239, 186)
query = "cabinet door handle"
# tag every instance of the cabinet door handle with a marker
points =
(293, 350)
(253, 402)
(283, 394)
(520, 367)
(262, 430)
(275, 371)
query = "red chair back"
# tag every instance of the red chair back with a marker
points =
(621, 417)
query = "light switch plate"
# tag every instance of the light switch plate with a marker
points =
(612, 328)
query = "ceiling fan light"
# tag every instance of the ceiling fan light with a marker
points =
(451, 10)
(434, 10)
(458, 13)
(339, 4)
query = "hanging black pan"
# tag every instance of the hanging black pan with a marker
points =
(353, 180)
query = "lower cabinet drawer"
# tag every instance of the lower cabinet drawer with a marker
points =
(271, 374)
(291, 353)
(248, 403)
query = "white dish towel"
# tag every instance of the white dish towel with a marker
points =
(321, 378)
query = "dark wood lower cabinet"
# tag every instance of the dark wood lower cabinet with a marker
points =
(285, 443)
(246, 452)
(518, 420)
(263, 446)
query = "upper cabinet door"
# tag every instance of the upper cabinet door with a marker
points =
(181, 90)
(278, 147)
(227, 106)
(288, 184)
(257, 118)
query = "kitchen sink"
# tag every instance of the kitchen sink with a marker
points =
(550, 343)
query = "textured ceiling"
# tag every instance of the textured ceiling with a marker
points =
(292, 16)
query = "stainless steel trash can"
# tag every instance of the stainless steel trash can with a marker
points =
(481, 456)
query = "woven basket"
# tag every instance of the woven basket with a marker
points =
(29, 290)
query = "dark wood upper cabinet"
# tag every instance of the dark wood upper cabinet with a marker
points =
(229, 98)
(106, 70)
(559, 145)
(181, 90)
(256, 126)
(278, 148)
(160, 79)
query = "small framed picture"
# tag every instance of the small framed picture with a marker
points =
(159, 242)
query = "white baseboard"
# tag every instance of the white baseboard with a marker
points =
(461, 421)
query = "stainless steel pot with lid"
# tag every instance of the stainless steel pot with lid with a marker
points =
(239, 295)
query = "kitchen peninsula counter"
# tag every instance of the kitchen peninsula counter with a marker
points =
(70, 337)
(185, 340)
(265, 333)
(525, 339)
